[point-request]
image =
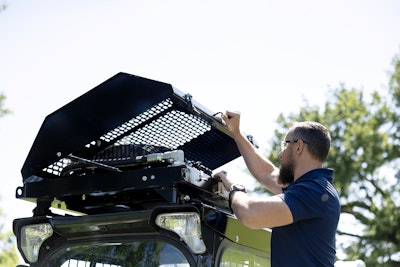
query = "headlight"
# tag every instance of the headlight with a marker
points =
(187, 225)
(32, 238)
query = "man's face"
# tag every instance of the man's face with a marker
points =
(286, 169)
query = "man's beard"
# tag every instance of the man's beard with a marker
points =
(286, 173)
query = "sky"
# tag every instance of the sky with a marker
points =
(259, 57)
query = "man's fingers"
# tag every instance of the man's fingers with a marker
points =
(218, 176)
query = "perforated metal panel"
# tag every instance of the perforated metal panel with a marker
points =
(171, 130)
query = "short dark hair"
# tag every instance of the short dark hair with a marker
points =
(315, 135)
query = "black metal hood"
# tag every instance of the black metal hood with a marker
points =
(128, 110)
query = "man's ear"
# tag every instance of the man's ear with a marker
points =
(300, 146)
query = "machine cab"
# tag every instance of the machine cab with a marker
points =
(131, 164)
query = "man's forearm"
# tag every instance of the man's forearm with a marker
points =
(259, 166)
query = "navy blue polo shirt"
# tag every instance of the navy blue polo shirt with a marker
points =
(310, 239)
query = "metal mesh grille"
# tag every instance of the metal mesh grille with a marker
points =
(129, 125)
(57, 167)
(171, 130)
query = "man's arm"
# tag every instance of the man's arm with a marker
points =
(261, 213)
(260, 167)
(257, 212)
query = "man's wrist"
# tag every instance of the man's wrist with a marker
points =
(235, 188)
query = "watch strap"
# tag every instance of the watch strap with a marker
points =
(235, 188)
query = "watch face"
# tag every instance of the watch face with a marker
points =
(238, 187)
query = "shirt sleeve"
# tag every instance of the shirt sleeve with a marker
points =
(305, 201)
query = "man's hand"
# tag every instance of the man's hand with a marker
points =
(232, 121)
(222, 176)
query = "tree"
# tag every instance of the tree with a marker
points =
(3, 110)
(8, 252)
(365, 149)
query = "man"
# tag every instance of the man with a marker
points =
(305, 209)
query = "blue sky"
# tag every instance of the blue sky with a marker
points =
(259, 57)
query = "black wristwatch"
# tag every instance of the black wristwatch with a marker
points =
(234, 188)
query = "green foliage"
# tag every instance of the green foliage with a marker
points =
(365, 150)
(394, 83)
(3, 110)
(8, 251)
